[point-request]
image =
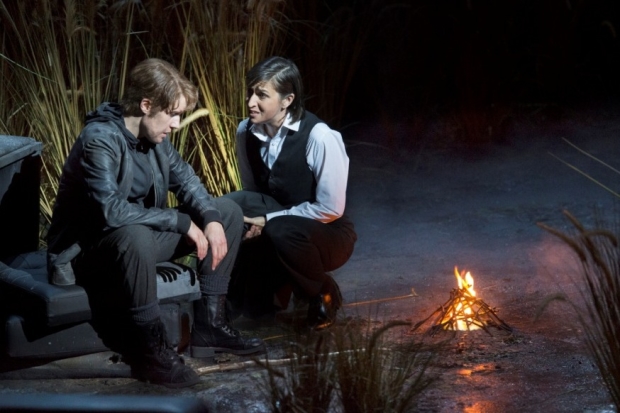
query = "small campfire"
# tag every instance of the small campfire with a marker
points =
(464, 311)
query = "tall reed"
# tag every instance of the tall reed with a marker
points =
(65, 57)
(380, 375)
(598, 251)
(222, 41)
(9, 111)
(62, 71)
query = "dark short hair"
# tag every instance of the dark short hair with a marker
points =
(285, 77)
(161, 83)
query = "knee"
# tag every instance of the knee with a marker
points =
(231, 213)
(282, 232)
(238, 197)
(134, 239)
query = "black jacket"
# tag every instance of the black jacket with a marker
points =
(96, 181)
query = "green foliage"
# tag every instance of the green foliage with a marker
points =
(308, 382)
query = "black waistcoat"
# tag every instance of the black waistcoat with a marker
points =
(290, 181)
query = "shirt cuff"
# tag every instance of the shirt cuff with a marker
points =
(275, 214)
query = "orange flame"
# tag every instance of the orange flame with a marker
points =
(466, 283)
(462, 310)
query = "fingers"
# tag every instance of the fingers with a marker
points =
(218, 252)
(217, 242)
(254, 231)
(202, 246)
(197, 237)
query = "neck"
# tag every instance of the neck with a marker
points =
(132, 123)
(273, 127)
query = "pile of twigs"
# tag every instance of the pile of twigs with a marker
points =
(452, 314)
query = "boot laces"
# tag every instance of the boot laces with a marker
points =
(226, 328)
(164, 348)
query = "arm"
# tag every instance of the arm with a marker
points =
(328, 160)
(106, 180)
(189, 190)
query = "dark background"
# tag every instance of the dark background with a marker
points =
(477, 64)
(473, 66)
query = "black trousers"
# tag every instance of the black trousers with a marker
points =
(290, 249)
(118, 271)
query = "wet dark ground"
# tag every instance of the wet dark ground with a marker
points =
(419, 212)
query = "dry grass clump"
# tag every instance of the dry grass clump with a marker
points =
(307, 383)
(351, 370)
(53, 60)
(64, 58)
(598, 252)
(222, 41)
(61, 58)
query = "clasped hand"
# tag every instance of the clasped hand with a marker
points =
(256, 226)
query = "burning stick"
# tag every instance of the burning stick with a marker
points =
(463, 311)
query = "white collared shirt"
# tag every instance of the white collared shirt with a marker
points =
(326, 157)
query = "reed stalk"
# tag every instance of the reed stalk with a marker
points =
(350, 369)
(222, 41)
(65, 57)
(307, 383)
(63, 69)
(598, 312)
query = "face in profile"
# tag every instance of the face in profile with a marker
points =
(265, 106)
(157, 124)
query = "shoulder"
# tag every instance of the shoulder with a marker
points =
(321, 133)
(100, 128)
(318, 126)
(102, 133)
(242, 126)
(315, 127)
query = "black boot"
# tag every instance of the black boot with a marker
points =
(322, 308)
(212, 332)
(154, 360)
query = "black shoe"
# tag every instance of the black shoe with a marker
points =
(322, 309)
(212, 332)
(155, 361)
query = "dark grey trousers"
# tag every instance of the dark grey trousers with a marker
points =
(118, 271)
(291, 249)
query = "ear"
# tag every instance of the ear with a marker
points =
(286, 102)
(145, 105)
